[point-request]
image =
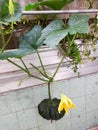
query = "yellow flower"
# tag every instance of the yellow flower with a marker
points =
(65, 104)
(11, 7)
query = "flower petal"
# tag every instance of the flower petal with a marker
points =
(60, 108)
(65, 107)
(65, 104)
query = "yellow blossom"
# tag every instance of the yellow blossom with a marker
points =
(11, 7)
(65, 104)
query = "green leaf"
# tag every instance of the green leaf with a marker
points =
(31, 6)
(19, 53)
(78, 24)
(4, 12)
(31, 40)
(55, 4)
(53, 26)
(28, 43)
(55, 37)
(54, 33)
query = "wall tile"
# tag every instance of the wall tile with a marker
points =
(40, 93)
(92, 102)
(60, 87)
(34, 128)
(79, 122)
(92, 119)
(27, 119)
(24, 99)
(9, 122)
(7, 103)
(63, 124)
(50, 126)
(91, 86)
(77, 87)
(80, 106)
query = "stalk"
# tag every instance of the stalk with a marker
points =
(71, 42)
(3, 40)
(6, 43)
(18, 66)
(42, 65)
(42, 79)
(26, 71)
(38, 70)
(25, 67)
(49, 92)
(58, 67)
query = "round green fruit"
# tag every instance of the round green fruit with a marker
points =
(48, 109)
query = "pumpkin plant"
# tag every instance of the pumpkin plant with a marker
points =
(57, 34)
(51, 35)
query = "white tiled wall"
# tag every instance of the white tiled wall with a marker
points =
(18, 109)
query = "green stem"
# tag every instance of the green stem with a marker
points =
(58, 67)
(38, 70)
(73, 39)
(25, 70)
(6, 43)
(3, 40)
(25, 67)
(36, 77)
(71, 42)
(18, 66)
(12, 23)
(42, 64)
(49, 91)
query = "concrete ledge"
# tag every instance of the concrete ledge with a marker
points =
(11, 76)
(94, 128)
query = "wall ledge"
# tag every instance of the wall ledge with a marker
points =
(11, 77)
(94, 128)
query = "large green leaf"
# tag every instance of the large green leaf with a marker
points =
(78, 23)
(31, 6)
(31, 39)
(2, 4)
(55, 37)
(19, 53)
(52, 27)
(4, 12)
(55, 31)
(54, 4)
(28, 43)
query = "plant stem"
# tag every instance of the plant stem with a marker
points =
(71, 42)
(39, 70)
(63, 56)
(25, 70)
(42, 64)
(58, 67)
(6, 43)
(2, 36)
(25, 67)
(18, 66)
(36, 77)
(49, 91)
